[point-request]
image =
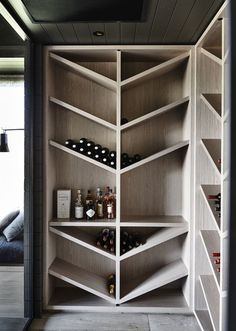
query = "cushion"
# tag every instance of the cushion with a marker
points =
(16, 227)
(7, 219)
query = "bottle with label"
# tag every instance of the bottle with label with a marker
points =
(111, 206)
(79, 207)
(99, 204)
(90, 207)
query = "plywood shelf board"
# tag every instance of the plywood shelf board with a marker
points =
(156, 71)
(153, 221)
(208, 190)
(154, 113)
(83, 223)
(213, 102)
(87, 73)
(81, 238)
(208, 52)
(156, 156)
(204, 320)
(81, 156)
(156, 239)
(212, 299)
(212, 148)
(83, 113)
(81, 278)
(211, 243)
(165, 275)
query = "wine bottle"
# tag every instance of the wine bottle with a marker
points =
(97, 148)
(69, 143)
(105, 234)
(214, 196)
(130, 242)
(112, 155)
(83, 141)
(124, 156)
(111, 283)
(90, 208)
(99, 204)
(89, 153)
(137, 158)
(137, 240)
(216, 254)
(217, 261)
(124, 238)
(104, 151)
(105, 160)
(75, 147)
(130, 160)
(79, 207)
(112, 164)
(112, 237)
(82, 149)
(90, 144)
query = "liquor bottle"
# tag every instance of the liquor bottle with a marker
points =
(137, 158)
(79, 207)
(215, 254)
(104, 151)
(105, 201)
(111, 283)
(111, 206)
(89, 144)
(69, 143)
(124, 120)
(90, 208)
(99, 204)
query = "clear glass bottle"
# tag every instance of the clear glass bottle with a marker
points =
(79, 207)
(99, 204)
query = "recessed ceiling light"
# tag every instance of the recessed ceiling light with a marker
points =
(98, 33)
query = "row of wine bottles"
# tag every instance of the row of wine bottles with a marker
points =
(92, 150)
(101, 206)
(106, 239)
(101, 154)
(217, 202)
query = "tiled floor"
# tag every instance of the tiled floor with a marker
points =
(115, 322)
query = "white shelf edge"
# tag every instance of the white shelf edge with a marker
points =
(152, 72)
(210, 107)
(80, 242)
(82, 223)
(210, 210)
(210, 157)
(81, 156)
(165, 275)
(155, 156)
(156, 239)
(211, 298)
(217, 281)
(154, 113)
(80, 273)
(211, 56)
(89, 74)
(83, 113)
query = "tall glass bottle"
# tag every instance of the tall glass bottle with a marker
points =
(79, 207)
(99, 204)
(90, 207)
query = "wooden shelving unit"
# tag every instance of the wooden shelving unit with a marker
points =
(178, 121)
(97, 91)
(211, 169)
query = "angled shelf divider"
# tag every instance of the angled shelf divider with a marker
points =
(156, 239)
(156, 71)
(213, 102)
(81, 238)
(153, 221)
(212, 299)
(212, 148)
(154, 113)
(165, 275)
(204, 320)
(81, 278)
(82, 113)
(209, 190)
(85, 72)
(81, 156)
(211, 243)
(211, 56)
(156, 156)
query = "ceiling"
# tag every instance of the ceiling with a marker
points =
(165, 22)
